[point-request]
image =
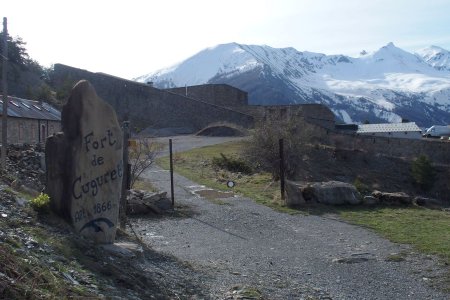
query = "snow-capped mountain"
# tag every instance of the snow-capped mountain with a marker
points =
(386, 85)
(436, 56)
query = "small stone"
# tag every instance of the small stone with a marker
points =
(4, 215)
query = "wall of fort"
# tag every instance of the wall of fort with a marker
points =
(438, 151)
(146, 106)
(219, 94)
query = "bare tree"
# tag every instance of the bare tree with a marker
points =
(262, 150)
(142, 155)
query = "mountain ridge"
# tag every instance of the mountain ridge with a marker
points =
(389, 84)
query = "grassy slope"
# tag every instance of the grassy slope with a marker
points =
(196, 165)
(426, 229)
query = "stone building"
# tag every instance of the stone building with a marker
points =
(29, 121)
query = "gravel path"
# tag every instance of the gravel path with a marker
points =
(241, 243)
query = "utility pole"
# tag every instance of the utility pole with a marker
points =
(5, 95)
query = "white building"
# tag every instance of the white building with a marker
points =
(394, 130)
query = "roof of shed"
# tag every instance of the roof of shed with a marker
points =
(30, 109)
(388, 127)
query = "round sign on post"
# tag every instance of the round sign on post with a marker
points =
(230, 184)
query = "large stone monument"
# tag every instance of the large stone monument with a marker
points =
(85, 167)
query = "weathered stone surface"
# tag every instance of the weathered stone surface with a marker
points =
(87, 160)
(332, 192)
(392, 198)
(55, 157)
(370, 200)
(429, 202)
(142, 202)
(294, 195)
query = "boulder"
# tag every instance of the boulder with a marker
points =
(85, 165)
(142, 202)
(392, 198)
(294, 194)
(333, 193)
(428, 202)
(370, 200)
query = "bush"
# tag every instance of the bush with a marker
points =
(423, 172)
(41, 203)
(262, 150)
(232, 164)
(141, 156)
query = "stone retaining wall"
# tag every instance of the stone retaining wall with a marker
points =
(438, 151)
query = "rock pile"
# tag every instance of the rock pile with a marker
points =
(26, 163)
(341, 193)
(143, 202)
(392, 198)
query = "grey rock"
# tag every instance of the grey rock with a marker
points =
(429, 202)
(392, 198)
(332, 192)
(294, 195)
(370, 200)
(142, 202)
(85, 163)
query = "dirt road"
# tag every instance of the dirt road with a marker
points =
(250, 247)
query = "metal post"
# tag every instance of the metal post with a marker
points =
(171, 174)
(126, 175)
(5, 95)
(281, 144)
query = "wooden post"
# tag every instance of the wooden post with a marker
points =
(171, 174)
(125, 178)
(281, 144)
(5, 95)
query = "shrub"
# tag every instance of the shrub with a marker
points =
(263, 147)
(141, 156)
(232, 164)
(423, 172)
(41, 203)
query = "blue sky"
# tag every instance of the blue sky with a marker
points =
(131, 38)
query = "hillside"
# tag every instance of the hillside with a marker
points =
(389, 84)
(42, 257)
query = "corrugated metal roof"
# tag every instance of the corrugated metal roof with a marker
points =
(30, 109)
(388, 127)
